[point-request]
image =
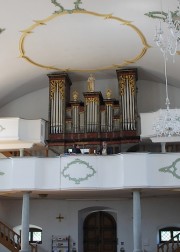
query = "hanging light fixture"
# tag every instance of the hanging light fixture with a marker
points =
(167, 39)
(168, 122)
(169, 42)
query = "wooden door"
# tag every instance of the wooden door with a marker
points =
(100, 233)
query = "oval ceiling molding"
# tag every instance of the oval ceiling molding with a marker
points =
(25, 37)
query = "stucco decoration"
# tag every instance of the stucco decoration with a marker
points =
(1, 30)
(1, 128)
(62, 9)
(174, 168)
(39, 25)
(84, 168)
(161, 15)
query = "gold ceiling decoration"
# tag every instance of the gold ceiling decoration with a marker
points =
(37, 23)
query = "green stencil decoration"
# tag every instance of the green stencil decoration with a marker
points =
(62, 9)
(69, 171)
(161, 15)
(174, 168)
(1, 30)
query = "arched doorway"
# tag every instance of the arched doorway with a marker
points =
(100, 233)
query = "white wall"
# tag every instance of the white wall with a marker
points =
(31, 106)
(151, 96)
(156, 213)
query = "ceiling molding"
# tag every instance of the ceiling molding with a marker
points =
(38, 23)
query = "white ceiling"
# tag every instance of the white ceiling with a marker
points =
(97, 39)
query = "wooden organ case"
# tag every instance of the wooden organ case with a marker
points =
(95, 119)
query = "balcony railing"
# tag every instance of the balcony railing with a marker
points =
(11, 240)
(172, 245)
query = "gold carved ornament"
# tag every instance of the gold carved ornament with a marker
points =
(123, 80)
(92, 99)
(57, 86)
(75, 95)
(132, 84)
(108, 93)
(75, 106)
(109, 105)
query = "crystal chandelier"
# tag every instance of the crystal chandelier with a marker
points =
(168, 123)
(168, 40)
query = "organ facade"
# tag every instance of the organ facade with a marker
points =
(94, 119)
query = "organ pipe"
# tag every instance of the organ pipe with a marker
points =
(127, 88)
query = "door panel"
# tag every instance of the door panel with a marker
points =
(100, 233)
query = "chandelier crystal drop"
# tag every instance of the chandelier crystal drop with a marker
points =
(168, 39)
(168, 123)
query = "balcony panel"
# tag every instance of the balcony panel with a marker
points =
(17, 133)
(91, 172)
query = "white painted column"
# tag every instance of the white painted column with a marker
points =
(163, 147)
(25, 223)
(21, 152)
(137, 222)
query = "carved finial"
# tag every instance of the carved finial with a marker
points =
(108, 93)
(91, 83)
(75, 95)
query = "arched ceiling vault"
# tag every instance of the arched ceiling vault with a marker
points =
(78, 37)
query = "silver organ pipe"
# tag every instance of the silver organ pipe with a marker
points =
(57, 110)
(56, 113)
(92, 114)
(127, 87)
(125, 111)
(96, 117)
(127, 106)
(93, 117)
(52, 109)
(87, 118)
(75, 118)
(76, 121)
(109, 117)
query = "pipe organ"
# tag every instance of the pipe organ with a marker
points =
(93, 101)
(96, 118)
(59, 93)
(127, 93)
